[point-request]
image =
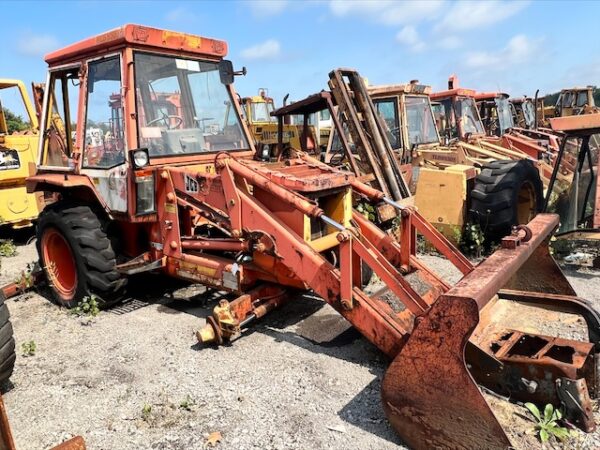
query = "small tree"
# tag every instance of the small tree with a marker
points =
(14, 122)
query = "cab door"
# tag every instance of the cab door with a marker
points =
(104, 146)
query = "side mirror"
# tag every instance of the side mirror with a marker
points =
(226, 72)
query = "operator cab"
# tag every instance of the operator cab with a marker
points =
(573, 191)
(133, 98)
(408, 116)
(170, 104)
(495, 112)
(457, 115)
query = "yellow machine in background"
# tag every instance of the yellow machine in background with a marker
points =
(18, 156)
(570, 102)
(263, 127)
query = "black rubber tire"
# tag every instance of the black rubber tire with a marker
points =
(495, 196)
(366, 274)
(7, 343)
(95, 259)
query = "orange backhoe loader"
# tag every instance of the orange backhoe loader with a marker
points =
(199, 206)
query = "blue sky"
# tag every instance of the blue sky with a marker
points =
(290, 46)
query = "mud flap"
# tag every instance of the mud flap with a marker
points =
(429, 396)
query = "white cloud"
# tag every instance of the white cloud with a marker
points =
(410, 37)
(267, 8)
(180, 14)
(36, 45)
(269, 49)
(450, 42)
(468, 15)
(520, 49)
(388, 12)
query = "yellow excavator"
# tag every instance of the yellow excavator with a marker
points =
(18, 156)
(263, 127)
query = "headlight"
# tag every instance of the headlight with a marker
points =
(140, 158)
(144, 194)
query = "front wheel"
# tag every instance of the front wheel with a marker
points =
(7, 343)
(506, 193)
(77, 255)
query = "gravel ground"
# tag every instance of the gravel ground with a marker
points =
(134, 378)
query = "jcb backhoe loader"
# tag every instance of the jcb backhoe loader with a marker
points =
(200, 207)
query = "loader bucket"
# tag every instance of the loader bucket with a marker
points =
(477, 333)
(444, 340)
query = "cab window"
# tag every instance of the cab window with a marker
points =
(61, 118)
(14, 117)
(582, 99)
(573, 194)
(387, 109)
(104, 138)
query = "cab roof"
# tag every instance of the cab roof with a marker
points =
(139, 36)
(578, 88)
(8, 83)
(391, 89)
(453, 92)
(490, 95)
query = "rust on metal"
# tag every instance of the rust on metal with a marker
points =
(290, 224)
(428, 394)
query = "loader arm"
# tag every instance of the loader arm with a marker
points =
(420, 320)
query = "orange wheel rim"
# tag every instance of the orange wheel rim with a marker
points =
(526, 203)
(60, 263)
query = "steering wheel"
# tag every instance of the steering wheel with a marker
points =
(165, 118)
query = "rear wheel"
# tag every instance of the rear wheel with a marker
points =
(506, 193)
(7, 343)
(77, 255)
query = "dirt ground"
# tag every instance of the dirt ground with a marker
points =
(134, 378)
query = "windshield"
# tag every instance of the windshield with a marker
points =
(388, 112)
(582, 98)
(573, 194)
(466, 111)
(444, 119)
(421, 126)
(183, 108)
(505, 119)
(261, 112)
(567, 99)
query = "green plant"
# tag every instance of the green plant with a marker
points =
(472, 240)
(366, 210)
(146, 411)
(25, 278)
(187, 403)
(87, 307)
(548, 425)
(7, 248)
(28, 348)
(457, 235)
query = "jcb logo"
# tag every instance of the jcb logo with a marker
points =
(191, 185)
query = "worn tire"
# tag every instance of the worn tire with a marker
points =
(81, 232)
(7, 343)
(506, 193)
